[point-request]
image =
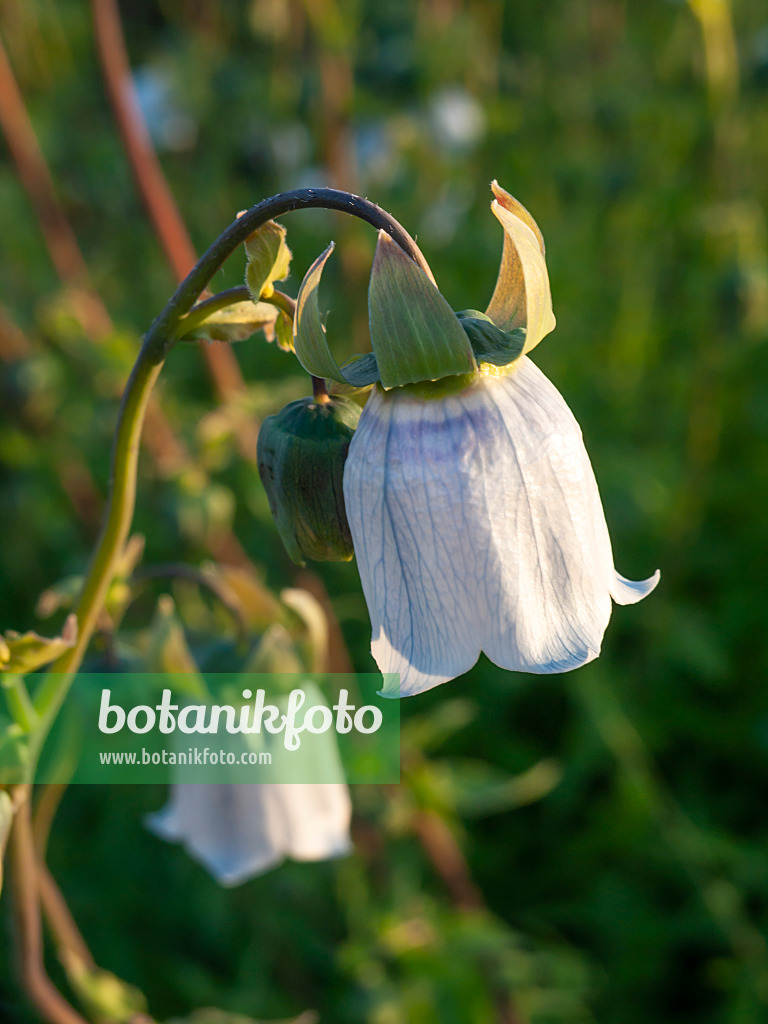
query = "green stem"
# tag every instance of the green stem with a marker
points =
(282, 301)
(18, 700)
(157, 343)
(203, 310)
(114, 533)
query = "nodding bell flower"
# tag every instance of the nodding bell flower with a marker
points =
(471, 501)
(240, 831)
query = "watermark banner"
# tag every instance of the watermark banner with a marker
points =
(135, 728)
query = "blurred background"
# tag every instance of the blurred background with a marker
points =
(587, 847)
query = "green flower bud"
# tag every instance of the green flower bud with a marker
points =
(301, 455)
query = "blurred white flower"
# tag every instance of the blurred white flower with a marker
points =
(458, 121)
(239, 831)
(475, 516)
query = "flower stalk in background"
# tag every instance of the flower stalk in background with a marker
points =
(471, 501)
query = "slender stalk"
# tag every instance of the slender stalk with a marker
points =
(19, 703)
(202, 310)
(52, 1006)
(282, 301)
(320, 389)
(66, 934)
(117, 522)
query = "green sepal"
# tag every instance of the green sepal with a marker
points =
(489, 343)
(309, 340)
(414, 332)
(301, 453)
(361, 371)
(269, 259)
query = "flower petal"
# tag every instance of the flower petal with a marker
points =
(411, 538)
(522, 295)
(624, 591)
(239, 831)
(549, 603)
(477, 523)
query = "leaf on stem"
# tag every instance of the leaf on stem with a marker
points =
(269, 259)
(25, 652)
(236, 322)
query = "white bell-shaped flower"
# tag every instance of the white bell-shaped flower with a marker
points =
(477, 526)
(474, 513)
(239, 831)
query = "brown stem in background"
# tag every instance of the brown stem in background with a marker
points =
(66, 934)
(167, 451)
(63, 249)
(440, 846)
(148, 174)
(36, 179)
(446, 856)
(46, 806)
(51, 1005)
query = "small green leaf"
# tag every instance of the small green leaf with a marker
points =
(489, 343)
(478, 789)
(269, 259)
(284, 331)
(235, 322)
(107, 997)
(26, 652)
(415, 333)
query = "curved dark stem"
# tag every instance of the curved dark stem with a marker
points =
(298, 199)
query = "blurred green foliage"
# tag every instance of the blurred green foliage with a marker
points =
(627, 881)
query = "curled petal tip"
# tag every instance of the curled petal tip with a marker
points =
(624, 591)
(515, 207)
